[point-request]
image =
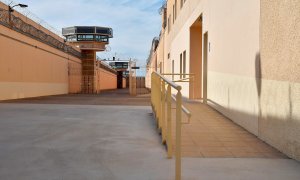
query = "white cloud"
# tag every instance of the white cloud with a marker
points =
(135, 22)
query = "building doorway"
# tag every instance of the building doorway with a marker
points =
(195, 91)
(120, 80)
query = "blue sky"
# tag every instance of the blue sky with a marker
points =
(135, 22)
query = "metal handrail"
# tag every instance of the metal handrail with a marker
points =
(161, 97)
(184, 79)
(175, 86)
(177, 74)
(184, 109)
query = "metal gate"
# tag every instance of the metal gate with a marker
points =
(137, 81)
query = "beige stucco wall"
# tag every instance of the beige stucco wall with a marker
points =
(233, 34)
(29, 68)
(279, 90)
(151, 67)
(253, 63)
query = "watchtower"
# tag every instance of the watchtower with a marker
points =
(89, 39)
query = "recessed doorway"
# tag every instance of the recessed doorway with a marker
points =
(205, 57)
(196, 59)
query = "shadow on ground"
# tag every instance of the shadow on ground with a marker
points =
(111, 97)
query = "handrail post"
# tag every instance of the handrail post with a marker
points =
(155, 98)
(169, 123)
(152, 91)
(158, 84)
(178, 135)
(163, 110)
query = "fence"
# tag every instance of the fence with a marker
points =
(28, 14)
(16, 23)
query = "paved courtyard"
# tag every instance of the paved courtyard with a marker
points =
(42, 140)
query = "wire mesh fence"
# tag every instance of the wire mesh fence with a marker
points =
(27, 13)
(18, 24)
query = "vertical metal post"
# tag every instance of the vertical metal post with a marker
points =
(178, 136)
(134, 85)
(156, 97)
(159, 97)
(163, 110)
(130, 78)
(152, 91)
(169, 123)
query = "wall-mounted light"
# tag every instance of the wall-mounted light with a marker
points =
(11, 9)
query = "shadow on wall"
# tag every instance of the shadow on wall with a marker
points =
(258, 75)
(287, 146)
(278, 122)
(258, 78)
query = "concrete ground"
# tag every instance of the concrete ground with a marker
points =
(78, 142)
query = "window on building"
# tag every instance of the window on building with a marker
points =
(184, 64)
(175, 9)
(103, 30)
(173, 14)
(72, 38)
(160, 68)
(86, 30)
(85, 37)
(181, 66)
(173, 70)
(100, 38)
(165, 18)
(169, 24)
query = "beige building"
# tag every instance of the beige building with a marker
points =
(152, 62)
(245, 61)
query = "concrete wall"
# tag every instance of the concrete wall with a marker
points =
(253, 62)
(106, 80)
(75, 76)
(279, 65)
(29, 68)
